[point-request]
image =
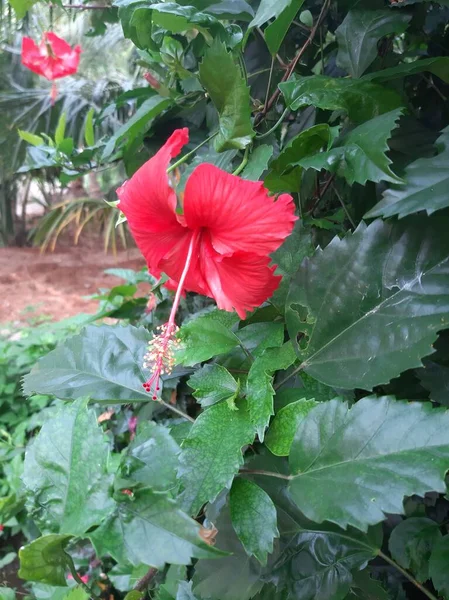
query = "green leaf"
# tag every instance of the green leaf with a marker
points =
(359, 156)
(426, 186)
(257, 337)
(176, 18)
(45, 560)
(370, 456)
(306, 17)
(435, 378)
(21, 7)
(152, 458)
(254, 518)
(438, 66)
(31, 138)
(359, 34)
(257, 163)
(103, 362)
(293, 251)
(269, 9)
(212, 454)
(212, 384)
(68, 486)
(374, 301)
(259, 388)
(89, 135)
(138, 124)
(206, 337)
(411, 543)
(227, 89)
(185, 591)
(361, 100)
(150, 529)
(283, 428)
(276, 32)
(60, 129)
(438, 566)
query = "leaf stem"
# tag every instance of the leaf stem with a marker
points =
(243, 164)
(78, 579)
(175, 410)
(267, 473)
(337, 193)
(189, 154)
(275, 126)
(292, 374)
(407, 575)
(145, 581)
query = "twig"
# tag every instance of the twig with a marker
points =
(175, 410)
(145, 581)
(350, 219)
(407, 575)
(82, 6)
(320, 196)
(267, 473)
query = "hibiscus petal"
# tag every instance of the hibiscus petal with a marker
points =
(239, 214)
(58, 45)
(31, 56)
(149, 204)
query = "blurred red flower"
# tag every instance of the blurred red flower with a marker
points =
(228, 228)
(53, 58)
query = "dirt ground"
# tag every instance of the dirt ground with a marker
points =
(34, 284)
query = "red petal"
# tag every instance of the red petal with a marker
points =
(239, 214)
(149, 204)
(58, 45)
(31, 56)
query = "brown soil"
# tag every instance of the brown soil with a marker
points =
(33, 284)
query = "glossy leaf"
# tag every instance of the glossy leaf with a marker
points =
(371, 456)
(227, 88)
(103, 362)
(385, 288)
(206, 336)
(359, 33)
(284, 425)
(435, 378)
(359, 156)
(276, 31)
(65, 472)
(426, 186)
(438, 566)
(269, 9)
(361, 100)
(438, 66)
(254, 518)
(411, 543)
(176, 18)
(152, 458)
(212, 454)
(45, 560)
(257, 163)
(150, 529)
(212, 384)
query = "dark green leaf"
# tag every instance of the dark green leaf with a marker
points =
(426, 186)
(257, 163)
(254, 518)
(360, 155)
(65, 471)
(359, 33)
(293, 251)
(375, 302)
(176, 18)
(275, 33)
(206, 336)
(370, 456)
(439, 560)
(212, 454)
(45, 560)
(435, 378)
(227, 89)
(103, 362)
(152, 458)
(284, 425)
(438, 66)
(213, 383)
(257, 337)
(411, 543)
(361, 100)
(150, 529)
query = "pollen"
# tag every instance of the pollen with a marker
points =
(160, 356)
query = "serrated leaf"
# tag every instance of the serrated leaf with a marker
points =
(65, 471)
(411, 543)
(206, 337)
(212, 384)
(438, 566)
(259, 387)
(104, 362)
(284, 425)
(371, 456)
(212, 454)
(89, 135)
(359, 33)
(229, 92)
(276, 31)
(361, 100)
(438, 66)
(386, 292)
(426, 186)
(45, 560)
(254, 518)
(152, 458)
(31, 138)
(150, 529)
(359, 156)
(257, 163)
(435, 378)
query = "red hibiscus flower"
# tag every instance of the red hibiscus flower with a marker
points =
(218, 247)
